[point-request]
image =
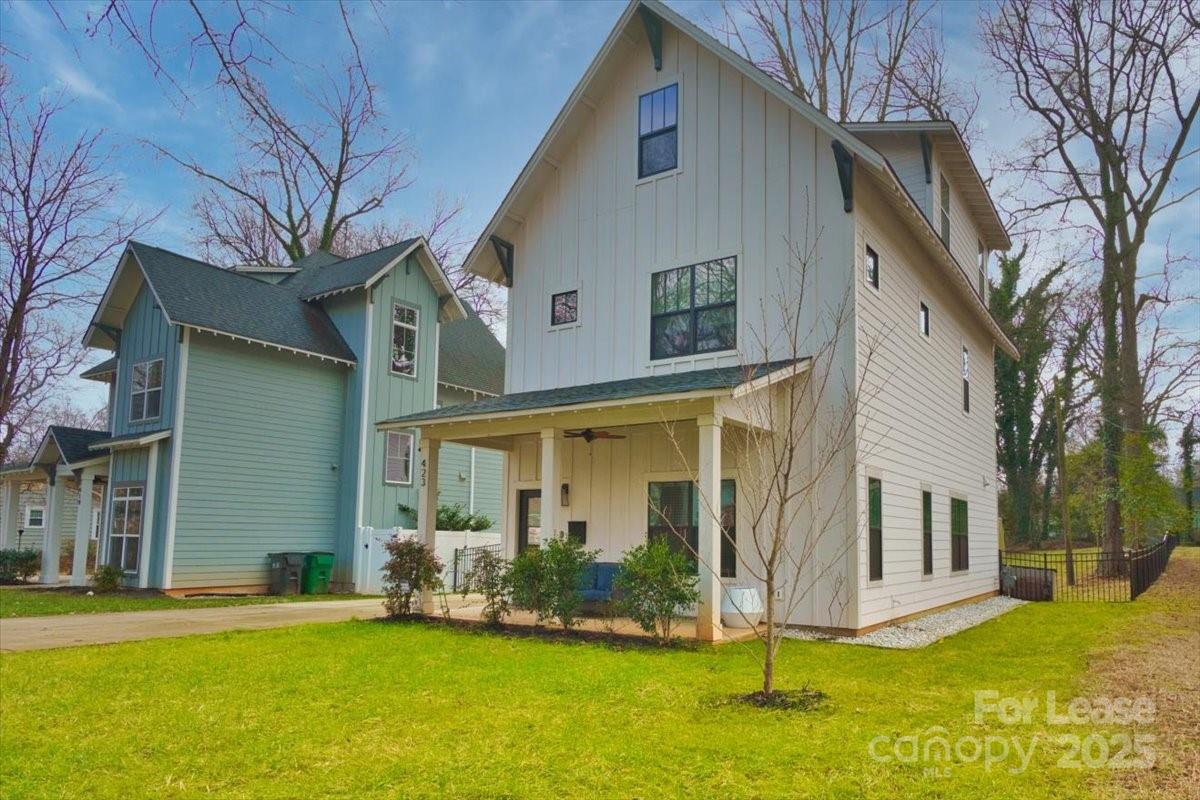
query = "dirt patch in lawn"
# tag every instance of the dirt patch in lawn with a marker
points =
(1162, 662)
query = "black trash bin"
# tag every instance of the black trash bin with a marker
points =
(286, 572)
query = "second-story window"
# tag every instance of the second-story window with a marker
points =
(658, 135)
(564, 308)
(405, 321)
(945, 209)
(966, 379)
(871, 260)
(923, 319)
(983, 265)
(145, 394)
(693, 309)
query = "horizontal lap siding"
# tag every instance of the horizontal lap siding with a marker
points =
(913, 431)
(258, 474)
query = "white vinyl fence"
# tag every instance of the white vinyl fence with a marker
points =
(370, 555)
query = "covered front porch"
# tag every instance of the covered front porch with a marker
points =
(69, 480)
(615, 463)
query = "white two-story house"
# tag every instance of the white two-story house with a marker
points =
(649, 246)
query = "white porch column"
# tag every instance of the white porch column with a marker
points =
(148, 503)
(52, 533)
(11, 519)
(427, 502)
(551, 483)
(83, 527)
(708, 481)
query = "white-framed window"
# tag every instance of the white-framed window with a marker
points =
(945, 210)
(564, 308)
(35, 516)
(125, 538)
(145, 393)
(398, 458)
(405, 324)
(983, 271)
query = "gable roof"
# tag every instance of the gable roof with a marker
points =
(101, 371)
(716, 380)
(323, 274)
(484, 260)
(72, 444)
(470, 357)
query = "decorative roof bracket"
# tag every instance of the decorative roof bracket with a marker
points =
(927, 156)
(845, 170)
(654, 31)
(504, 254)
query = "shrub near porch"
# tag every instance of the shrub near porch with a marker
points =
(418, 710)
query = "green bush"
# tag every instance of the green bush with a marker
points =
(654, 582)
(455, 518)
(489, 576)
(107, 579)
(19, 564)
(546, 581)
(411, 567)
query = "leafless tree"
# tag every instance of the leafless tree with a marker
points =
(854, 60)
(796, 450)
(59, 223)
(1113, 89)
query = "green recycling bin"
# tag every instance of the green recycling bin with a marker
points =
(317, 569)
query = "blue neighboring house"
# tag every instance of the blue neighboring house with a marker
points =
(242, 408)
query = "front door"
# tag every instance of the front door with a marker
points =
(529, 518)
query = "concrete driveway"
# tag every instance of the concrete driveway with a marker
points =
(74, 630)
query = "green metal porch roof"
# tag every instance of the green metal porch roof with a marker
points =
(719, 378)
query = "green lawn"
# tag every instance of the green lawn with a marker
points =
(30, 602)
(379, 710)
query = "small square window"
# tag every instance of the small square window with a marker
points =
(564, 308)
(872, 268)
(923, 319)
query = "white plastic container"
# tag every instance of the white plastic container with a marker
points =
(743, 599)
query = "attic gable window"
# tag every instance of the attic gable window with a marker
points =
(405, 324)
(658, 136)
(145, 394)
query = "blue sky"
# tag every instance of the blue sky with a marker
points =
(473, 84)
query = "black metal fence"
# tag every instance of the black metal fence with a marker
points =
(464, 561)
(1089, 575)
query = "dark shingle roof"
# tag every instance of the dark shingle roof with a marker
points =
(129, 437)
(323, 273)
(470, 356)
(628, 389)
(74, 444)
(202, 295)
(106, 367)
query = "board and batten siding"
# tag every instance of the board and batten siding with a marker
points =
(147, 335)
(129, 466)
(754, 176)
(260, 464)
(474, 483)
(912, 429)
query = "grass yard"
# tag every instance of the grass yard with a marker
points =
(379, 710)
(34, 602)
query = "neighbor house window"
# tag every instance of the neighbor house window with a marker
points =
(675, 517)
(405, 320)
(926, 533)
(875, 525)
(872, 267)
(145, 395)
(398, 458)
(958, 535)
(983, 263)
(945, 210)
(35, 517)
(124, 541)
(923, 319)
(658, 137)
(564, 308)
(966, 379)
(694, 309)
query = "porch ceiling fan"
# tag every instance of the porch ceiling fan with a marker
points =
(589, 435)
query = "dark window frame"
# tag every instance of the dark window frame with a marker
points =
(923, 318)
(874, 529)
(554, 307)
(657, 132)
(693, 311)
(944, 202)
(966, 380)
(926, 533)
(872, 272)
(960, 540)
(691, 533)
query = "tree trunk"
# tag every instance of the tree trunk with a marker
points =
(769, 657)
(1111, 424)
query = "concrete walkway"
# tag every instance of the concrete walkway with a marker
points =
(73, 630)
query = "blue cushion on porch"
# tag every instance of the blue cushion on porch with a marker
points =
(597, 581)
